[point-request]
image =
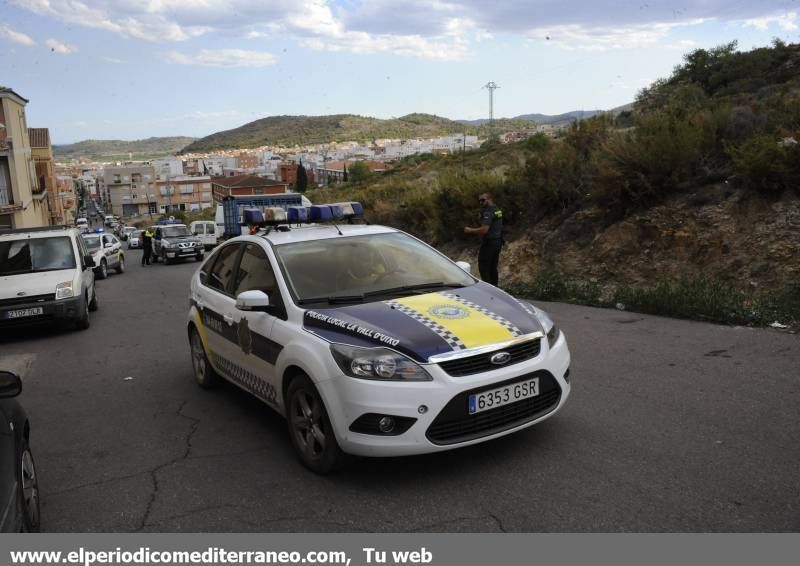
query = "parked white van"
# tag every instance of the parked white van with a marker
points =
(46, 277)
(206, 230)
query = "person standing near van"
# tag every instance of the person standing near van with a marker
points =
(147, 246)
(491, 233)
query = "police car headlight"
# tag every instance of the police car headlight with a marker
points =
(64, 290)
(551, 329)
(377, 363)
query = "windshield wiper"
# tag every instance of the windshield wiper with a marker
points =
(332, 300)
(404, 288)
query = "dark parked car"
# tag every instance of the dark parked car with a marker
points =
(19, 484)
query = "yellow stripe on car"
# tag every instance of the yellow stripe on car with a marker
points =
(201, 329)
(467, 324)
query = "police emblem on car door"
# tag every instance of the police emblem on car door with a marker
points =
(245, 337)
(260, 353)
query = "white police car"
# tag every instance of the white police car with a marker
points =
(372, 343)
(107, 252)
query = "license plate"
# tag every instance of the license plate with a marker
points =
(21, 313)
(503, 395)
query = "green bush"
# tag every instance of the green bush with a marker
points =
(549, 285)
(766, 165)
(537, 142)
(639, 168)
(714, 301)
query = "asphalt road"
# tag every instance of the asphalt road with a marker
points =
(672, 426)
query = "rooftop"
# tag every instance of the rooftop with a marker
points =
(5, 91)
(241, 181)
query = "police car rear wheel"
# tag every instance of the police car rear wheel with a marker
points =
(310, 428)
(204, 374)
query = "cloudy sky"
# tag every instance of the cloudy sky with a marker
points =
(128, 69)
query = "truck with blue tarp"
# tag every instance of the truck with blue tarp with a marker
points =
(233, 209)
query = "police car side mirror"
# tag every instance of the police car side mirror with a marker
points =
(463, 265)
(107, 245)
(252, 301)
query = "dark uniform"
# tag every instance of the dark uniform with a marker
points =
(147, 246)
(491, 242)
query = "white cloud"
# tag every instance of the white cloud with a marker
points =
(432, 29)
(112, 60)
(786, 21)
(60, 47)
(578, 37)
(223, 58)
(16, 36)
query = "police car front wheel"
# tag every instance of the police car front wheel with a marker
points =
(310, 428)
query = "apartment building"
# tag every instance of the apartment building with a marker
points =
(287, 173)
(185, 192)
(129, 189)
(169, 167)
(61, 203)
(247, 161)
(23, 202)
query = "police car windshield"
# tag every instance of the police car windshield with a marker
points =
(175, 231)
(92, 242)
(357, 268)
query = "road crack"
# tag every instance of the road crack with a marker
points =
(154, 472)
(499, 522)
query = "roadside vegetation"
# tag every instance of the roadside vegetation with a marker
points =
(697, 299)
(723, 116)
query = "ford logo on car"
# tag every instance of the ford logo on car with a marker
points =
(500, 358)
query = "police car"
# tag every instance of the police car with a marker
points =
(107, 252)
(372, 343)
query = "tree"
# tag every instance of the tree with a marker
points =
(344, 173)
(302, 179)
(359, 172)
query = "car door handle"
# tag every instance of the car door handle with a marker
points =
(228, 318)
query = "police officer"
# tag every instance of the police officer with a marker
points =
(491, 232)
(147, 246)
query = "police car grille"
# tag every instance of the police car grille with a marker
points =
(480, 363)
(454, 423)
(27, 300)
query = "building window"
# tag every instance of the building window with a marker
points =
(153, 208)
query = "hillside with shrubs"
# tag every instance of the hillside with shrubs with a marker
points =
(686, 205)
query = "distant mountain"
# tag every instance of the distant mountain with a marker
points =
(552, 119)
(115, 150)
(288, 131)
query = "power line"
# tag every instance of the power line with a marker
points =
(491, 86)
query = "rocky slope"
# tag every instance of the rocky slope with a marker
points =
(715, 232)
